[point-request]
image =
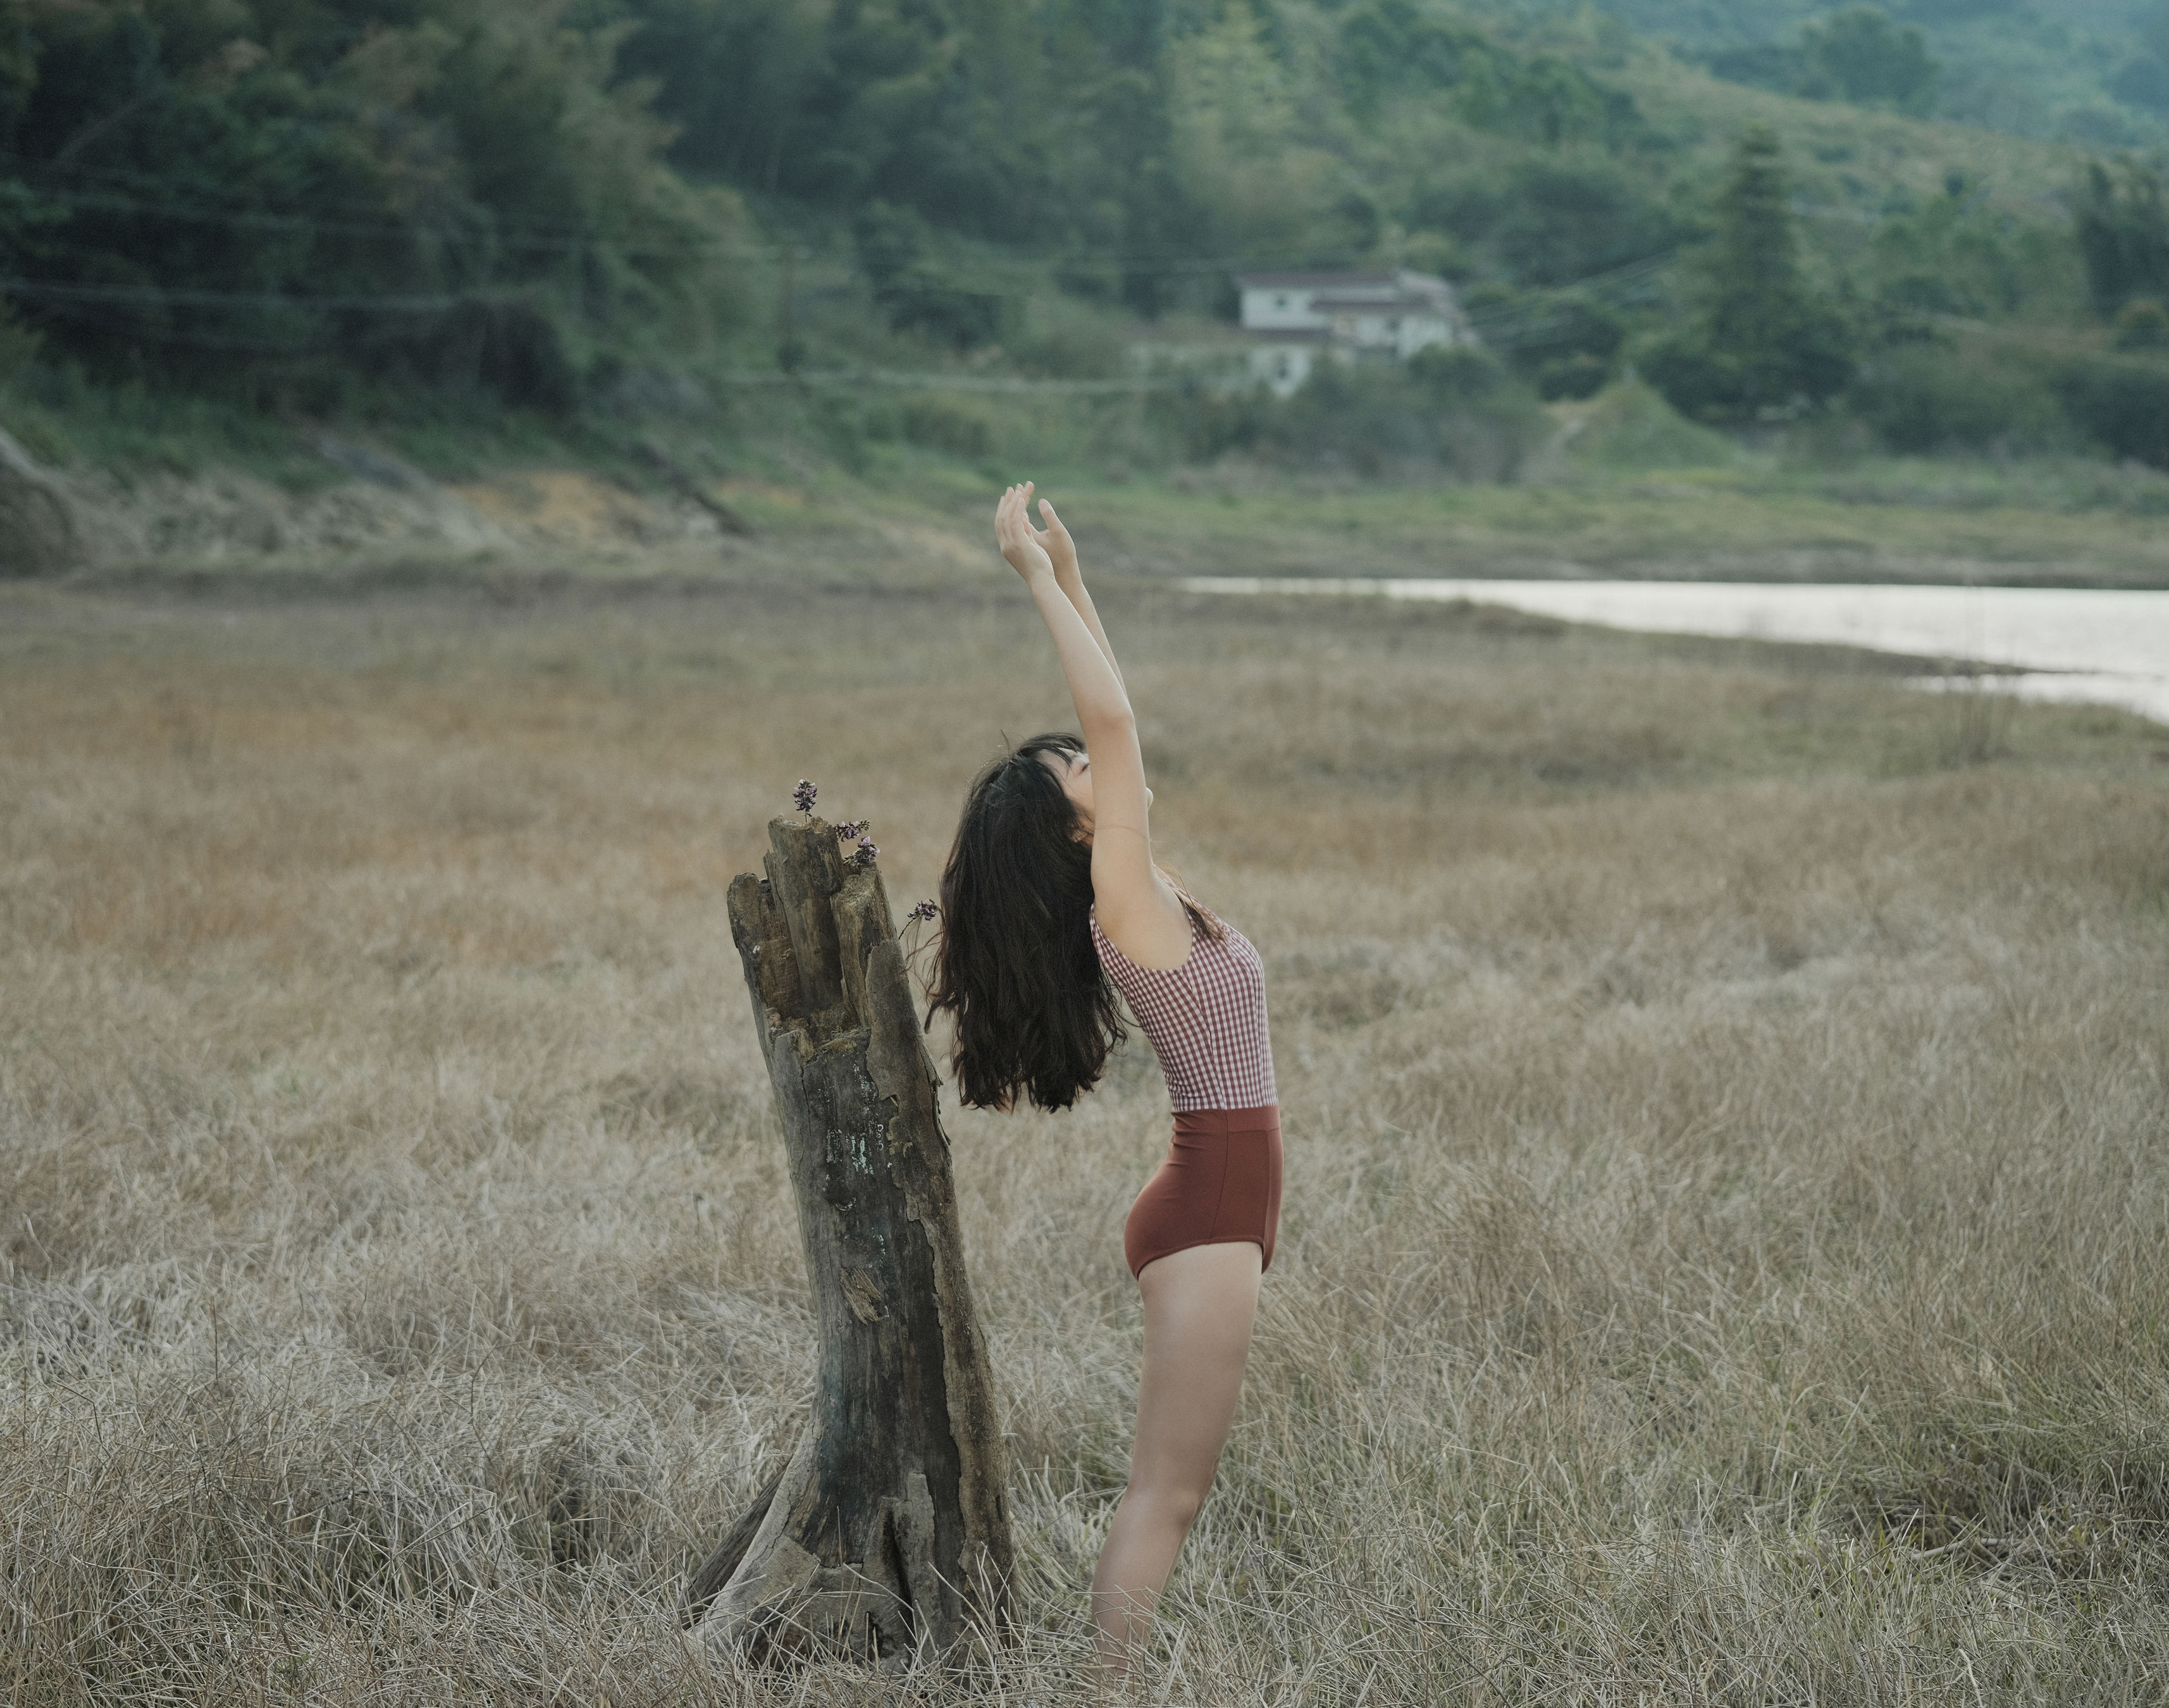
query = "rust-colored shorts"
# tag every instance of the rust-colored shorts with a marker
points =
(1221, 1182)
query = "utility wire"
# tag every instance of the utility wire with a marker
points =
(58, 291)
(55, 291)
(566, 237)
(488, 231)
(575, 239)
(480, 231)
(996, 385)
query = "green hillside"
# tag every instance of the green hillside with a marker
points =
(468, 222)
(2094, 72)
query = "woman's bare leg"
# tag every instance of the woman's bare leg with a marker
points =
(1199, 1305)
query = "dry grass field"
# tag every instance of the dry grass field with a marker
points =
(1728, 1197)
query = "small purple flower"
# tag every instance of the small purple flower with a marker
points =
(866, 854)
(802, 797)
(849, 827)
(924, 912)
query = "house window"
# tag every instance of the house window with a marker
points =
(1280, 303)
(1283, 366)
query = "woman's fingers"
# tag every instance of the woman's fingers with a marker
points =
(1013, 528)
(1021, 543)
(1053, 522)
(1010, 517)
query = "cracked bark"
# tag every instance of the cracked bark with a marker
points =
(888, 1527)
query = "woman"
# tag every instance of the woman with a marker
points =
(1050, 903)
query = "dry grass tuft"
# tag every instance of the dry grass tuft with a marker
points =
(1729, 1156)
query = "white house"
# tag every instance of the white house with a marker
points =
(1293, 319)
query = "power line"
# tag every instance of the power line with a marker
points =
(1508, 327)
(488, 230)
(530, 236)
(1515, 324)
(576, 239)
(376, 225)
(1000, 385)
(483, 231)
(1615, 280)
(487, 227)
(55, 291)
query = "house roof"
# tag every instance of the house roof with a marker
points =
(1409, 301)
(1311, 281)
(1187, 333)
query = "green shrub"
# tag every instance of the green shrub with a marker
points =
(1692, 377)
(1451, 374)
(2142, 325)
(918, 290)
(1934, 398)
(2120, 402)
(1576, 376)
(1630, 425)
(45, 439)
(1571, 338)
(948, 423)
(1207, 424)
(1458, 412)
(511, 350)
(1072, 347)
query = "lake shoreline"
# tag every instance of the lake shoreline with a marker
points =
(2104, 645)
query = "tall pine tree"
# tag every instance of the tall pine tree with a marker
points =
(1762, 342)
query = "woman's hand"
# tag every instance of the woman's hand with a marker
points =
(1027, 548)
(1054, 540)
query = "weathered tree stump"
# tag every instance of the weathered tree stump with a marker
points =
(888, 1527)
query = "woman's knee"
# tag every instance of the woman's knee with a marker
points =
(1173, 1503)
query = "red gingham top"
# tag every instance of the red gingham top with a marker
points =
(1206, 1019)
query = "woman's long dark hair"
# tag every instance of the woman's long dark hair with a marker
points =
(1016, 968)
(1034, 1010)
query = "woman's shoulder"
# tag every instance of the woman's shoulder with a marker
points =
(1150, 939)
(1143, 957)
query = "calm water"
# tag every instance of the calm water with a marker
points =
(2071, 644)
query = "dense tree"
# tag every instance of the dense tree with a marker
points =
(2122, 217)
(1390, 47)
(1260, 189)
(1569, 346)
(2143, 79)
(1858, 55)
(1761, 341)
(1855, 55)
(1006, 121)
(456, 192)
(1549, 221)
(914, 289)
(1952, 254)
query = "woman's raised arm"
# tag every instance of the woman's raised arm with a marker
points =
(1061, 551)
(1140, 914)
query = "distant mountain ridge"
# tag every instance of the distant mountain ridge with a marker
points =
(2093, 73)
